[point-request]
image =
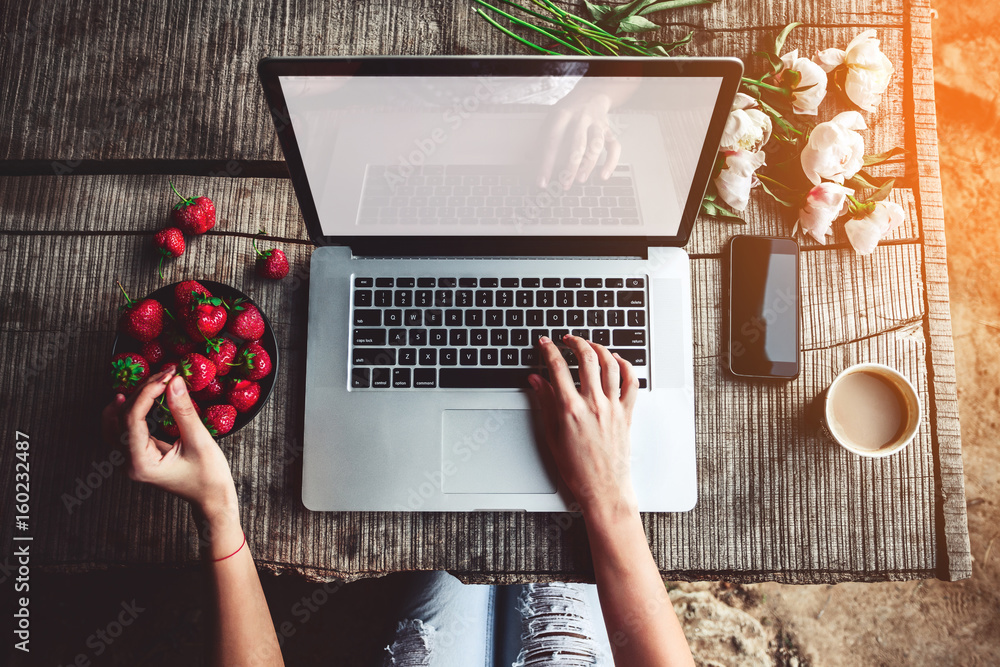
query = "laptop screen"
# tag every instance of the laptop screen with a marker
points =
(558, 148)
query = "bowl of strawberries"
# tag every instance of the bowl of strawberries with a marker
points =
(218, 339)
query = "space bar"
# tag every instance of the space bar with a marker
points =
(484, 378)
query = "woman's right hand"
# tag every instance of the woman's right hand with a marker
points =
(588, 430)
(193, 467)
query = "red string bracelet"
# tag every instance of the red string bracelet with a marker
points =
(216, 560)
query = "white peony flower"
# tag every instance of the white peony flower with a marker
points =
(865, 233)
(736, 179)
(835, 150)
(747, 128)
(825, 203)
(868, 69)
(811, 76)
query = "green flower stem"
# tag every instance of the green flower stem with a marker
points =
(535, 14)
(184, 199)
(510, 34)
(765, 86)
(674, 4)
(525, 24)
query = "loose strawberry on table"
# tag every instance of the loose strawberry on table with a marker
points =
(271, 263)
(128, 369)
(193, 216)
(255, 362)
(219, 419)
(197, 371)
(142, 320)
(168, 242)
(247, 322)
(243, 395)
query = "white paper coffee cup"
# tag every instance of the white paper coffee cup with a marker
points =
(871, 410)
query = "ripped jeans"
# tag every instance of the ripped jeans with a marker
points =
(445, 623)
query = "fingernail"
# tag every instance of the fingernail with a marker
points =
(544, 339)
(533, 382)
(565, 336)
(178, 388)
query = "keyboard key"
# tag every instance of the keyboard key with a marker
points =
(468, 357)
(384, 282)
(407, 357)
(573, 282)
(534, 318)
(509, 357)
(489, 357)
(489, 282)
(383, 297)
(505, 298)
(514, 318)
(632, 299)
(400, 378)
(601, 337)
(405, 282)
(443, 298)
(363, 282)
(363, 297)
(585, 299)
(428, 356)
(447, 282)
(403, 298)
(449, 356)
(468, 282)
(423, 297)
(574, 318)
(484, 298)
(393, 318)
(413, 318)
(629, 338)
(432, 318)
(551, 282)
(374, 356)
(397, 336)
(498, 337)
(463, 298)
(554, 318)
(484, 378)
(508, 282)
(545, 298)
(473, 318)
(536, 334)
(637, 318)
(458, 337)
(425, 378)
(529, 356)
(614, 282)
(524, 299)
(581, 333)
(564, 299)
(361, 378)
(633, 283)
(557, 334)
(633, 356)
(593, 282)
(530, 282)
(453, 318)
(494, 318)
(479, 337)
(595, 318)
(616, 318)
(605, 299)
(426, 282)
(438, 337)
(369, 336)
(418, 337)
(519, 337)
(381, 378)
(367, 318)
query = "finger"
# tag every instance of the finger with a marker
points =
(590, 369)
(110, 429)
(577, 149)
(553, 136)
(562, 381)
(595, 143)
(614, 153)
(193, 431)
(548, 407)
(630, 384)
(162, 377)
(141, 401)
(610, 371)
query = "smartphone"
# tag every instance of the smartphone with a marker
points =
(764, 332)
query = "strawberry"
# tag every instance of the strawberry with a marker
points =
(206, 317)
(243, 395)
(270, 263)
(212, 392)
(247, 323)
(255, 361)
(197, 371)
(153, 352)
(128, 370)
(166, 418)
(168, 242)
(219, 419)
(193, 216)
(142, 320)
(220, 351)
(185, 292)
(176, 341)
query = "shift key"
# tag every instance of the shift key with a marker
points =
(374, 356)
(634, 356)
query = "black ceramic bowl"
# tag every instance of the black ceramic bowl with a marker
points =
(165, 295)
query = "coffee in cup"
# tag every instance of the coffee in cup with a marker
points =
(871, 410)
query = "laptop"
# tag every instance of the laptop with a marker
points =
(462, 207)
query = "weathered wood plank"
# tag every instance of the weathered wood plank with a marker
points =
(120, 80)
(775, 502)
(958, 561)
(141, 204)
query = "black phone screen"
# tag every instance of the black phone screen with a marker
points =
(764, 307)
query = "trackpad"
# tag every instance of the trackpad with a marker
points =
(494, 451)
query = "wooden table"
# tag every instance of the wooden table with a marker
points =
(102, 103)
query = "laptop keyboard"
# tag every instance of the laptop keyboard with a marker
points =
(492, 195)
(482, 333)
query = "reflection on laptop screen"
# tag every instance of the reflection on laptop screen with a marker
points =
(547, 155)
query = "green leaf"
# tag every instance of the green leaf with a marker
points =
(636, 24)
(882, 192)
(772, 60)
(783, 202)
(882, 157)
(674, 4)
(779, 41)
(597, 12)
(717, 211)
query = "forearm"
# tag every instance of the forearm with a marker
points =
(642, 626)
(244, 633)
